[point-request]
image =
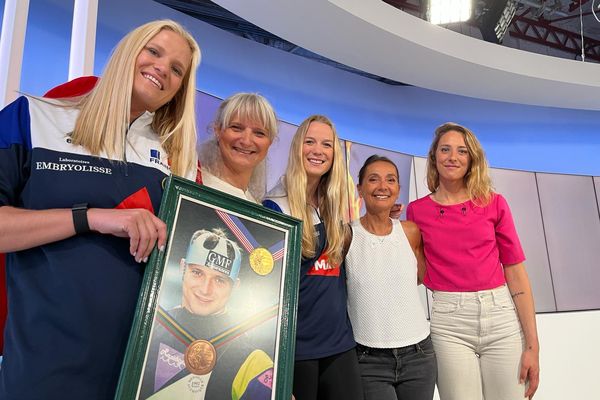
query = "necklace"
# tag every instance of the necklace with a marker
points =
(376, 239)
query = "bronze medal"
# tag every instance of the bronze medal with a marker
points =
(261, 261)
(200, 357)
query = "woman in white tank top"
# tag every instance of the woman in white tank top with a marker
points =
(396, 357)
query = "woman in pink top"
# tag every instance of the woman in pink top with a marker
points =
(483, 318)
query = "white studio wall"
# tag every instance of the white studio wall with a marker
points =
(400, 119)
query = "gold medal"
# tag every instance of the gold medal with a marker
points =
(261, 261)
(200, 357)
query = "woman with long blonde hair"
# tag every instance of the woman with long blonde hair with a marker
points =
(483, 317)
(80, 182)
(313, 189)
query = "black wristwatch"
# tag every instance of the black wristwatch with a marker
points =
(80, 220)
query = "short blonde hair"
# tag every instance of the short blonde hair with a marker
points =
(105, 112)
(332, 192)
(248, 106)
(477, 179)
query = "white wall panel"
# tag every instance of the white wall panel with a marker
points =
(206, 108)
(412, 190)
(520, 190)
(597, 191)
(279, 152)
(420, 189)
(358, 155)
(572, 225)
(420, 166)
(569, 353)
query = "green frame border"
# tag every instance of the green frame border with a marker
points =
(139, 337)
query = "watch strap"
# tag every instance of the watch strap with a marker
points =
(80, 220)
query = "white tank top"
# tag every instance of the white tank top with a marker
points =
(383, 301)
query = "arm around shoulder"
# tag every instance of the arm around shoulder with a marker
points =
(413, 234)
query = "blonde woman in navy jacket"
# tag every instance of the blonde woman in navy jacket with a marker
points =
(313, 189)
(80, 181)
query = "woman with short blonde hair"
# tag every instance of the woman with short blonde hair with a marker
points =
(243, 121)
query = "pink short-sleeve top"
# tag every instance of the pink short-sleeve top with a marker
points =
(466, 245)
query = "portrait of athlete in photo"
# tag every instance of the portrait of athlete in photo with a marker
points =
(198, 350)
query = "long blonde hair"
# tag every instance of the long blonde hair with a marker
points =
(104, 118)
(477, 179)
(245, 106)
(332, 194)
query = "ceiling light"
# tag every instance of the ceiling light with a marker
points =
(449, 11)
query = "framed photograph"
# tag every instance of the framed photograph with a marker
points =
(217, 309)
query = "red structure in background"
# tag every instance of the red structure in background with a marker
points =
(536, 29)
(542, 32)
(74, 88)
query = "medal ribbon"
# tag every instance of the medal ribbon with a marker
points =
(224, 337)
(237, 227)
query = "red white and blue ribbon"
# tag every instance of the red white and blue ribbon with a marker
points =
(245, 237)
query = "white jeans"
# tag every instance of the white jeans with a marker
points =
(478, 342)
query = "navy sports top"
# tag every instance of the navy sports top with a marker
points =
(323, 327)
